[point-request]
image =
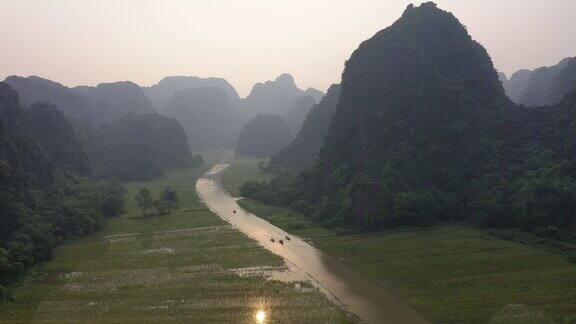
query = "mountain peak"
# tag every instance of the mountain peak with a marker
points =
(286, 78)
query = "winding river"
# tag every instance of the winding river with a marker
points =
(369, 301)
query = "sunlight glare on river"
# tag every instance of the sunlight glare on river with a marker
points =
(260, 316)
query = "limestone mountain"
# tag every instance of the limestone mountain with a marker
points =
(45, 125)
(298, 111)
(274, 97)
(303, 150)
(419, 120)
(137, 147)
(207, 116)
(161, 93)
(114, 100)
(45, 199)
(516, 86)
(34, 89)
(316, 94)
(263, 136)
(543, 86)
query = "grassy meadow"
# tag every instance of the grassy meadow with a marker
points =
(189, 266)
(451, 274)
(242, 170)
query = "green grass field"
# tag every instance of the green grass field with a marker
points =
(452, 274)
(183, 267)
(242, 170)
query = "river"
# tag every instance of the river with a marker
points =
(369, 301)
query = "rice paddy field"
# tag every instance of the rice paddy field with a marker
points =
(452, 273)
(189, 266)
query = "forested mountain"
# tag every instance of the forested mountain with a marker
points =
(298, 111)
(46, 124)
(263, 136)
(164, 90)
(536, 190)
(543, 86)
(424, 133)
(274, 97)
(44, 200)
(303, 150)
(137, 147)
(207, 117)
(114, 100)
(33, 89)
(419, 123)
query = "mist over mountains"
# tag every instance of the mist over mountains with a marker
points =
(544, 86)
(207, 115)
(161, 93)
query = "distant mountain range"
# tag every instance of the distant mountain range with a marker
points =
(542, 86)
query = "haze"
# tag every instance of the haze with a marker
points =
(88, 42)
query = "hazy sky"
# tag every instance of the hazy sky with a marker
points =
(247, 41)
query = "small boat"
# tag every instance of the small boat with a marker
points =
(281, 242)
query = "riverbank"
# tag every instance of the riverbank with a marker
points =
(186, 266)
(452, 274)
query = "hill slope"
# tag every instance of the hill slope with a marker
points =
(303, 150)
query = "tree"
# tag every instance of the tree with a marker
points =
(144, 200)
(169, 197)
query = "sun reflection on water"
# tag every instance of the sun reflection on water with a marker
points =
(260, 316)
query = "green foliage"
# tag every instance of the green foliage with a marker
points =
(137, 147)
(169, 198)
(144, 200)
(44, 199)
(424, 134)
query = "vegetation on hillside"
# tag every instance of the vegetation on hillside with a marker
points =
(137, 147)
(424, 134)
(44, 198)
